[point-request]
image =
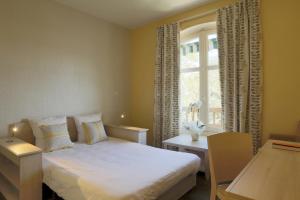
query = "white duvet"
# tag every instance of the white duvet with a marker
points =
(115, 170)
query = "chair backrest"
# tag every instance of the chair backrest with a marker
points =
(228, 154)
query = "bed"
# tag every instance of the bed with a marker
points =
(118, 169)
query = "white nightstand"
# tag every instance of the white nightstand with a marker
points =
(20, 170)
(184, 143)
(133, 134)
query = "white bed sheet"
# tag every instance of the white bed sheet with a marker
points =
(115, 170)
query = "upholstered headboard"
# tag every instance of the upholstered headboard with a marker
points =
(25, 133)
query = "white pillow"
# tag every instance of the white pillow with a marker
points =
(37, 132)
(94, 132)
(79, 119)
(56, 137)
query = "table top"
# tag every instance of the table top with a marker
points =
(131, 128)
(185, 140)
(18, 147)
(273, 174)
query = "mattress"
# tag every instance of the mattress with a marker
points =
(115, 170)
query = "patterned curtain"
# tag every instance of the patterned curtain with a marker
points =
(239, 38)
(166, 103)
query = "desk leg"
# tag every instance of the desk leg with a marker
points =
(165, 146)
(181, 149)
(169, 147)
(206, 166)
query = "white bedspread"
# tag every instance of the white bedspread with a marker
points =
(114, 170)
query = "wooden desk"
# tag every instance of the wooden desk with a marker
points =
(272, 174)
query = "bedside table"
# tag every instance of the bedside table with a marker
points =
(133, 134)
(184, 143)
(20, 170)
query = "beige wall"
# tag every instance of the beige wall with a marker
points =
(55, 60)
(281, 30)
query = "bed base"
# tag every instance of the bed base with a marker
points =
(177, 191)
(174, 193)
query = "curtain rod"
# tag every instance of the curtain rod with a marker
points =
(198, 16)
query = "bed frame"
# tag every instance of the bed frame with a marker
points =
(174, 193)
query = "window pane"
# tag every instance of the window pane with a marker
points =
(189, 88)
(189, 54)
(214, 99)
(213, 56)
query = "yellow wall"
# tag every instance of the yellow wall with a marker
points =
(281, 29)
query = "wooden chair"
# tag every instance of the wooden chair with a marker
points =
(228, 154)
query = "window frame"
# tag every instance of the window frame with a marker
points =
(203, 69)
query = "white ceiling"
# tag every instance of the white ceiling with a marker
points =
(132, 13)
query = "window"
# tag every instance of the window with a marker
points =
(200, 98)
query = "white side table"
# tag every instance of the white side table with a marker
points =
(133, 134)
(20, 170)
(184, 143)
